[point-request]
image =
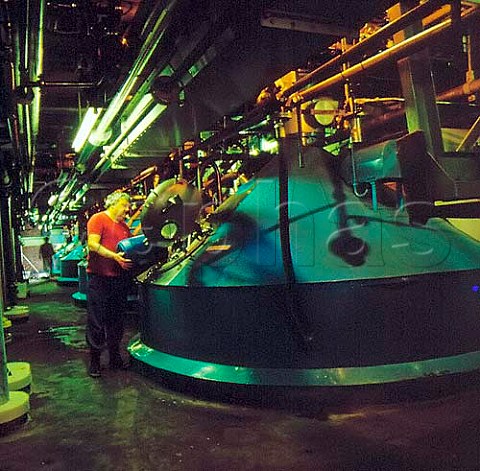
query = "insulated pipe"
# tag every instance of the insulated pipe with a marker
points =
(4, 393)
(160, 21)
(35, 64)
(10, 78)
(148, 47)
(25, 65)
(415, 14)
(399, 51)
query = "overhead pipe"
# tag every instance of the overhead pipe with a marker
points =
(30, 68)
(154, 29)
(166, 69)
(35, 70)
(468, 88)
(405, 48)
(15, 119)
(418, 13)
(142, 61)
(10, 79)
(272, 103)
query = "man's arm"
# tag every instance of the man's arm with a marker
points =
(94, 245)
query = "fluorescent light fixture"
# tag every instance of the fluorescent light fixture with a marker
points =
(126, 139)
(145, 123)
(138, 111)
(142, 126)
(89, 121)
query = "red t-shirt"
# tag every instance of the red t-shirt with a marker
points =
(111, 233)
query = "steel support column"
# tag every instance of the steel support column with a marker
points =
(418, 88)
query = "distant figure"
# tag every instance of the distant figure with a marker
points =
(67, 233)
(46, 254)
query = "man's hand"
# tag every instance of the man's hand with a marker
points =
(125, 263)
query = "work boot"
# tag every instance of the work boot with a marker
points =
(116, 361)
(94, 366)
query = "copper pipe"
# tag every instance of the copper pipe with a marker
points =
(383, 33)
(143, 174)
(468, 88)
(399, 51)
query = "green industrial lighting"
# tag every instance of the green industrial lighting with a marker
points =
(142, 126)
(138, 111)
(89, 121)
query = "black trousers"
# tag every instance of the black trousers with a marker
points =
(106, 303)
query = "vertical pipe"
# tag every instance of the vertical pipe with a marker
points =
(7, 249)
(300, 325)
(4, 393)
(283, 209)
(298, 112)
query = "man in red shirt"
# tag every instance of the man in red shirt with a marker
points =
(108, 281)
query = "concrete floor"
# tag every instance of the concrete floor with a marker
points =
(131, 420)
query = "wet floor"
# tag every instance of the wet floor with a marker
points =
(134, 420)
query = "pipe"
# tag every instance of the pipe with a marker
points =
(148, 47)
(25, 38)
(218, 179)
(300, 325)
(383, 33)
(4, 391)
(399, 51)
(283, 210)
(35, 64)
(271, 103)
(142, 176)
(468, 88)
(160, 20)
